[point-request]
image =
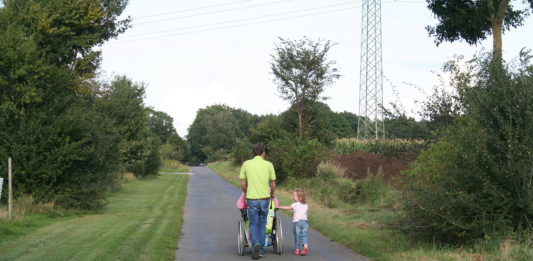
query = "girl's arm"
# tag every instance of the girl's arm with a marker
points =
(285, 207)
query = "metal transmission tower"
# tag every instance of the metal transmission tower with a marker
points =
(370, 124)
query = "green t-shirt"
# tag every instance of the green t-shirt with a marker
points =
(258, 172)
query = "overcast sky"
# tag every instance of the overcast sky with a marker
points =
(197, 53)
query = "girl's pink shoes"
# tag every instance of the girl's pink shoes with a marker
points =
(303, 252)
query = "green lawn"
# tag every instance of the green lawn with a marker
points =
(142, 222)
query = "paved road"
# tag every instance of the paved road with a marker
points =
(210, 227)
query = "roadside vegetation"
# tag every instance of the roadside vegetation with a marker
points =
(363, 215)
(72, 135)
(458, 190)
(141, 222)
(173, 166)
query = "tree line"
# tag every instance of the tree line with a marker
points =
(71, 135)
(218, 129)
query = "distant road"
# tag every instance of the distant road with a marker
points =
(210, 227)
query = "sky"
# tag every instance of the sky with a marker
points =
(192, 54)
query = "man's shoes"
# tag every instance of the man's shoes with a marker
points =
(296, 252)
(261, 255)
(304, 252)
(255, 254)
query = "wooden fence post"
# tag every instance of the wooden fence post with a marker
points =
(9, 187)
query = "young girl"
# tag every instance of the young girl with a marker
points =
(299, 221)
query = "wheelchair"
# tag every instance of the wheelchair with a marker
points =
(273, 238)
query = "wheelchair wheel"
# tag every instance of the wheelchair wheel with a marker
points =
(279, 237)
(241, 238)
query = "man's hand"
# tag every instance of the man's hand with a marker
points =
(244, 185)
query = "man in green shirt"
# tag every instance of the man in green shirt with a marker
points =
(256, 176)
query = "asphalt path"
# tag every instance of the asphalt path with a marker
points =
(211, 226)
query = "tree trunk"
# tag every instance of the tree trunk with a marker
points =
(496, 21)
(497, 41)
(300, 116)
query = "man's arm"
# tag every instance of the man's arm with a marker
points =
(272, 187)
(244, 185)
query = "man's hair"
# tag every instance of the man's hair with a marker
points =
(259, 149)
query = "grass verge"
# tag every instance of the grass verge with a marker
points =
(365, 227)
(142, 222)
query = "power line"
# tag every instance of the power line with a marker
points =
(243, 19)
(211, 12)
(407, 2)
(191, 9)
(238, 25)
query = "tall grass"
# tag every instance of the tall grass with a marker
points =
(173, 166)
(378, 147)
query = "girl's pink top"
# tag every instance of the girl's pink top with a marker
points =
(300, 211)
(241, 202)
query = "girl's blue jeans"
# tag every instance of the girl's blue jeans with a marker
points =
(299, 228)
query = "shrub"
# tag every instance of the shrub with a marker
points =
(372, 189)
(477, 179)
(334, 191)
(329, 169)
(220, 154)
(169, 152)
(171, 164)
(295, 157)
(242, 151)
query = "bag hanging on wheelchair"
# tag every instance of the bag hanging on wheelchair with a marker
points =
(270, 217)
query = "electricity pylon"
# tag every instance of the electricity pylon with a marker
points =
(370, 124)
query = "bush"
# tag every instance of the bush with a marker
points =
(171, 164)
(372, 189)
(242, 151)
(220, 154)
(378, 147)
(169, 152)
(295, 157)
(329, 169)
(333, 190)
(67, 158)
(148, 161)
(477, 179)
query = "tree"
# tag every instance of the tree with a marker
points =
(271, 127)
(214, 128)
(473, 20)
(50, 118)
(175, 148)
(351, 119)
(321, 122)
(302, 71)
(48, 48)
(161, 125)
(123, 102)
